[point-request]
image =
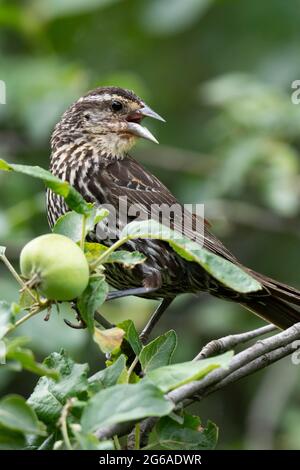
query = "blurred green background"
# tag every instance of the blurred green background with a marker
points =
(220, 72)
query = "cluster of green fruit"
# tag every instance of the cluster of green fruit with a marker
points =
(55, 266)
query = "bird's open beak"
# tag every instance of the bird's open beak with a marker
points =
(134, 126)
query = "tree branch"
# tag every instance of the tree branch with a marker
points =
(218, 346)
(256, 357)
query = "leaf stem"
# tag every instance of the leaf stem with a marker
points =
(110, 250)
(137, 434)
(83, 230)
(26, 317)
(117, 443)
(132, 366)
(64, 425)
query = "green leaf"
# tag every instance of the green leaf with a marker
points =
(110, 340)
(73, 376)
(92, 299)
(167, 378)
(10, 440)
(92, 251)
(49, 396)
(73, 199)
(26, 359)
(159, 352)
(189, 435)
(122, 403)
(70, 224)
(17, 415)
(131, 335)
(229, 274)
(90, 442)
(47, 407)
(126, 258)
(112, 375)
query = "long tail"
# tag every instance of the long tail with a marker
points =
(281, 306)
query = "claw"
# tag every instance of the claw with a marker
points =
(77, 326)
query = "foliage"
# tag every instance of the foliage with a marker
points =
(65, 402)
(231, 140)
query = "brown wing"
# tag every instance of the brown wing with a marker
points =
(128, 178)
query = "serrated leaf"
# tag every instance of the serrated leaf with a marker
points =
(73, 199)
(190, 435)
(169, 377)
(159, 352)
(45, 403)
(17, 415)
(49, 397)
(92, 299)
(229, 274)
(73, 376)
(126, 258)
(131, 335)
(112, 375)
(122, 403)
(109, 340)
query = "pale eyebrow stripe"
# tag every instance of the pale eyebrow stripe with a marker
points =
(102, 97)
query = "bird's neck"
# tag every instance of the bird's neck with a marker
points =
(109, 145)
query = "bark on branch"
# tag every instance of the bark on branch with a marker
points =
(256, 357)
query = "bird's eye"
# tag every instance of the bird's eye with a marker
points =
(116, 106)
(87, 117)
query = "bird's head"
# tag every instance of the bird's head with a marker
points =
(112, 116)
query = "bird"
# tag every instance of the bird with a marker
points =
(90, 149)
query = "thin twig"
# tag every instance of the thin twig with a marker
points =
(218, 346)
(260, 348)
(40, 308)
(17, 277)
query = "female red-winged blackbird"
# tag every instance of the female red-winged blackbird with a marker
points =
(89, 149)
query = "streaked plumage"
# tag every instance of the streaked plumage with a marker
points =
(90, 150)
